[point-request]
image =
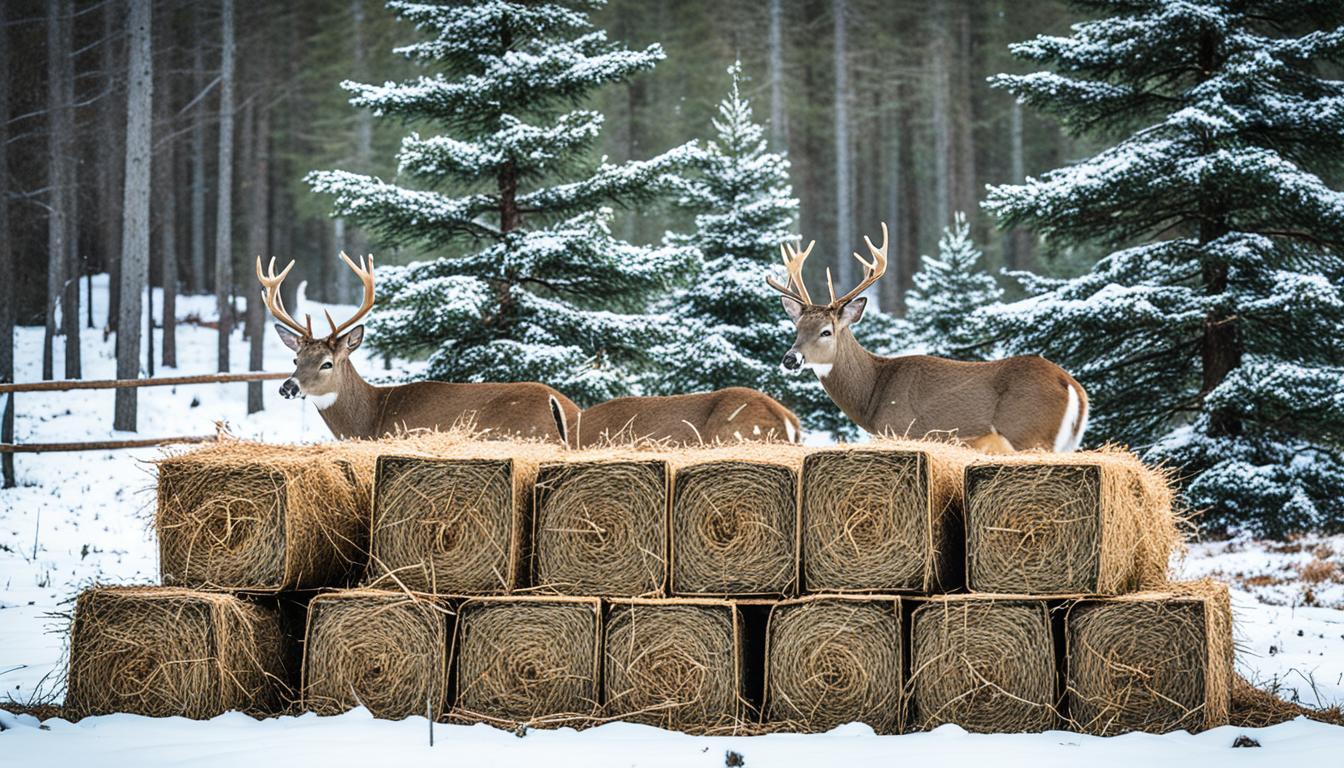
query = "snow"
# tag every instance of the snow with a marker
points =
(85, 517)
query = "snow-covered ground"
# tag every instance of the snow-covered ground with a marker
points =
(79, 518)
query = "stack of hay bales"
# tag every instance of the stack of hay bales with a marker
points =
(727, 589)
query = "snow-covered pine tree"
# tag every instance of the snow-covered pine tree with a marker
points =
(1214, 338)
(542, 290)
(947, 292)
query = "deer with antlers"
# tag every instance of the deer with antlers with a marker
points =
(1017, 403)
(351, 407)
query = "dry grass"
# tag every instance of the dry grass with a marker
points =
(385, 651)
(986, 663)
(1097, 522)
(884, 516)
(600, 525)
(528, 661)
(1154, 661)
(160, 651)
(832, 660)
(674, 663)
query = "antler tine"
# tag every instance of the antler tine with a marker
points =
(793, 265)
(270, 295)
(365, 275)
(872, 270)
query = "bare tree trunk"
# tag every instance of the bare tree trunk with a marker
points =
(60, 97)
(1017, 254)
(908, 198)
(963, 111)
(165, 193)
(135, 228)
(258, 231)
(224, 209)
(844, 188)
(354, 238)
(8, 263)
(109, 176)
(942, 121)
(198, 281)
(893, 300)
(779, 131)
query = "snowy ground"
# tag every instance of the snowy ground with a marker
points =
(78, 518)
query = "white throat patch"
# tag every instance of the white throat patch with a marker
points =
(323, 402)
(821, 369)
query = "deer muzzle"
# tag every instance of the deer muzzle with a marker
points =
(792, 362)
(290, 389)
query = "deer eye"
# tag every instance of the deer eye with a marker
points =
(326, 365)
(825, 333)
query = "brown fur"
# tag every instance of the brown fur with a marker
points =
(726, 415)
(1022, 399)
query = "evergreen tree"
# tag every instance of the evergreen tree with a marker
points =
(1214, 337)
(947, 292)
(548, 294)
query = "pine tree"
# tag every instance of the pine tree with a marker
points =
(947, 292)
(1213, 338)
(535, 287)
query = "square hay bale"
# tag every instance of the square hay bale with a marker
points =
(456, 522)
(1094, 523)
(883, 517)
(528, 660)
(674, 663)
(264, 518)
(161, 651)
(832, 660)
(1151, 661)
(600, 526)
(986, 663)
(386, 651)
(734, 520)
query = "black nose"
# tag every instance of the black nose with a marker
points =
(290, 389)
(792, 361)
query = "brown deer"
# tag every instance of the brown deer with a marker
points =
(352, 407)
(729, 415)
(1018, 403)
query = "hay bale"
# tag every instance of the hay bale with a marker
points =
(1152, 661)
(160, 651)
(600, 525)
(1098, 523)
(254, 517)
(454, 522)
(986, 663)
(674, 663)
(386, 651)
(832, 660)
(884, 516)
(734, 520)
(528, 660)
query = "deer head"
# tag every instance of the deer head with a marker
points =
(321, 364)
(820, 325)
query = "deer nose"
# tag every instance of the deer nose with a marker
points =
(792, 361)
(290, 389)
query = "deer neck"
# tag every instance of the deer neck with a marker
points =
(354, 409)
(852, 378)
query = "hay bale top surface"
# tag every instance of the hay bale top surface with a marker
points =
(1156, 482)
(827, 597)
(1202, 589)
(439, 602)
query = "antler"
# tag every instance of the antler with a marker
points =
(274, 302)
(872, 270)
(365, 276)
(793, 264)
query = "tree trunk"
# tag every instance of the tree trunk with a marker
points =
(963, 113)
(224, 203)
(8, 263)
(165, 195)
(59, 100)
(844, 188)
(1017, 254)
(778, 128)
(942, 121)
(355, 239)
(258, 231)
(908, 222)
(893, 300)
(135, 205)
(111, 166)
(198, 281)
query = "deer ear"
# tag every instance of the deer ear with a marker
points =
(852, 312)
(290, 338)
(353, 338)
(794, 308)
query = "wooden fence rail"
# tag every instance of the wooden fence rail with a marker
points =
(9, 447)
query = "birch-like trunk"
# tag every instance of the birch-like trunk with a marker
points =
(844, 187)
(779, 131)
(942, 121)
(224, 202)
(165, 196)
(60, 96)
(135, 207)
(198, 281)
(258, 233)
(110, 125)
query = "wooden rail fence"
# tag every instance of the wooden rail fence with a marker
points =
(8, 446)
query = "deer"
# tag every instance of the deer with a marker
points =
(1016, 403)
(732, 414)
(353, 408)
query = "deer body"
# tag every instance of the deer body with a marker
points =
(727, 415)
(1017, 403)
(354, 408)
